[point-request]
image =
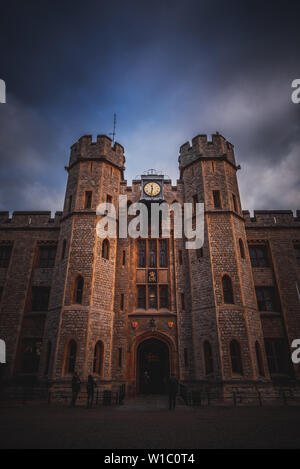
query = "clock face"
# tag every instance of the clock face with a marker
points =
(152, 189)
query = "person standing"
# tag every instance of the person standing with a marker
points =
(147, 382)
(172, 391)
(90, 387)
(75, 388)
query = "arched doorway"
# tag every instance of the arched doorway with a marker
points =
(153, 358)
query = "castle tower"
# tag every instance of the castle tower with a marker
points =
(226, 323)
(81, 304)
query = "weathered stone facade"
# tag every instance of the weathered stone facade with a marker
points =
(217, 331)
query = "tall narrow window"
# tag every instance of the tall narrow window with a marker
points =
(47, 256)
(70, 204)
(71, 357)
(259, 360)
(5, 253)
(1, 292)
(227, 290)
(208, 358)
(120, 357)
(234, 203)
(236, 358)
(141, 296)
(242, 250)
(180, 257)
(163, 296)
(98, 358)
(153, 297)
(163, 253)
(182, 301)
(152, 253)
(105, 249)
(63, 249)
(142, 253)
(217, 199)
(122, 302)
(79, 290)
(108, 198)
(48, 357)
(123, 257)
(88, 199)
(186, 358)
(195, 201)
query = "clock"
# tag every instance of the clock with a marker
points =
(152, 189)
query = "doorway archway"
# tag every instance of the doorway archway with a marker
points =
(153, 366)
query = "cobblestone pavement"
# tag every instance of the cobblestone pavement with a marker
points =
(147, 423)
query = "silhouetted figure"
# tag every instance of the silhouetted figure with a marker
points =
(75, 388)
(146, 381)
(172, 391)
(90, 387)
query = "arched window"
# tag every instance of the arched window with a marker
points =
(260, 364)
(48, 356)
(242, 250)
(208, 358)
(71, 357)
(227, 290)
(98, 358)
(236, 358)
(79, 290)
(105, 249)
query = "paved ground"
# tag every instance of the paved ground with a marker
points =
(146, 423)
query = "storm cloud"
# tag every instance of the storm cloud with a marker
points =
(169, 69)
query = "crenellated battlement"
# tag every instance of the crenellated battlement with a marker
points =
(29, 219)
(85, 147)
(272, 218)
(201, 146)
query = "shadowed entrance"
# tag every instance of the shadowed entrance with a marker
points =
(153, 358)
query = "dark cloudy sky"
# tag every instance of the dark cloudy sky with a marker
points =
(169, 69)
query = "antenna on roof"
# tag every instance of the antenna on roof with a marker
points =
(114, 132)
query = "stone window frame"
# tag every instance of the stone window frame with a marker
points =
(66, 371)
(98, 370)
(234, 373)
(75, 289)
(105, 249)
(88, 199)
(227, 274)
(242, 249)
(220, 199)
(206, 358)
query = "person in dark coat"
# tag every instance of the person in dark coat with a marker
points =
(172, 391)
(75, 388)
(90, 387)
(146, 382)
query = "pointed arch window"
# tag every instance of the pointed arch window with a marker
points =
(98, 358)
(79, 290)
(208, 358)
(242, 250)
(71, 357)
(236, 358)
(105, 249)
(227, 290)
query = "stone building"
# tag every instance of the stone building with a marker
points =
(220, 317)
